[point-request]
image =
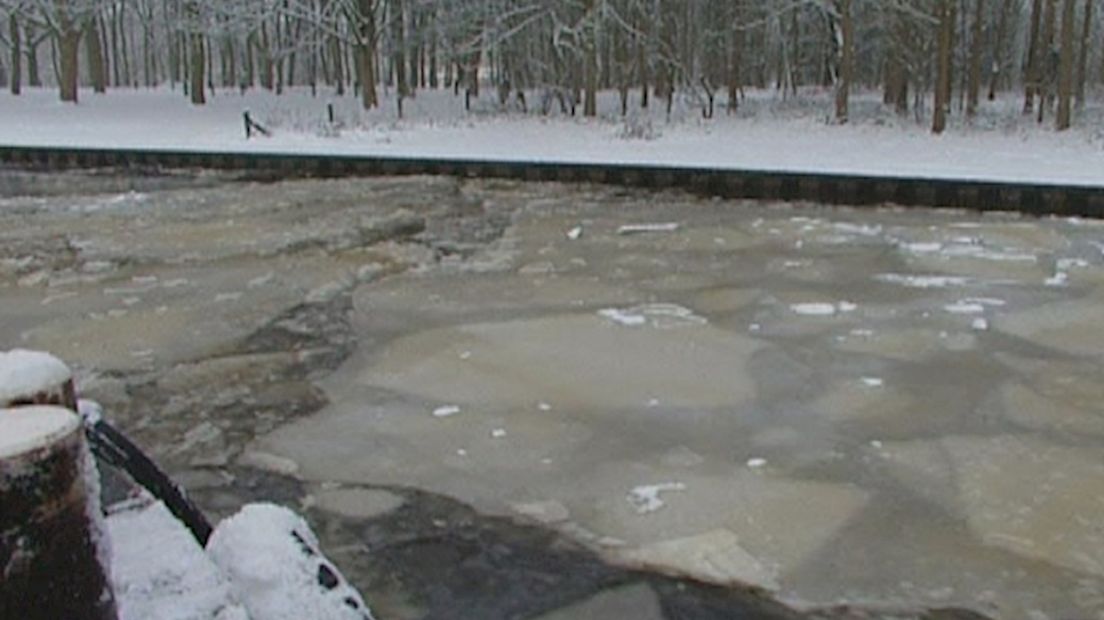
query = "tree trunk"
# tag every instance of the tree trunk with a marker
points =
(1083, 59)
(93, 48)
(998, 48)
(268, 78)
(68, 52)
(973, 83)
(16, 55)
(1032, 68)
(735, 57)
(434, 80)
(414, 54)
(338, 66)
(198, 71)
(113, 29)
(846, 61)
(590, 61)
(1065, 67)
(642, 42)
(1048, 59)
(398, 57)
(945, 41)
(366, 56)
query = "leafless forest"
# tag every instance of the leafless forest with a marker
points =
(929, 58)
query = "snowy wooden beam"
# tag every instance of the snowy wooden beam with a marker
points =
(53, 551)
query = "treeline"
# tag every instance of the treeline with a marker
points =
(930, 58)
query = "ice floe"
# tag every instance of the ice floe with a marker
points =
(922, 281)
(659, 315)
(646, 498)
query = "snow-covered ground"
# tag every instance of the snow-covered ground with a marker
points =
(264, 563)
(767, 133)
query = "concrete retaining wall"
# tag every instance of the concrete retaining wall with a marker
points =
(842, 189)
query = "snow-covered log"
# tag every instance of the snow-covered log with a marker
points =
(53, 551)
(277, 570)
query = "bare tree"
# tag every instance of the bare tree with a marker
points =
(1065, 68)
(944, 52)
(847, 59)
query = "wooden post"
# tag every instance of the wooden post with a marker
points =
(52, 554)
(34, 378)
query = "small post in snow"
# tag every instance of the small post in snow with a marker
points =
(252, 125)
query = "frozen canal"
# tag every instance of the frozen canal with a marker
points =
(895, 410)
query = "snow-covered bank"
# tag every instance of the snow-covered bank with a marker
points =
(767, 134)
(262, 564)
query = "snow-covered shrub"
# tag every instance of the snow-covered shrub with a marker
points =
(638, 127)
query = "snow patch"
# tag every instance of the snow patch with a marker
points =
(964, 307)
(658, 315)
(637, 229)
(276, 569)
(25, 373)
(864, 230)
(176, 581)
(979, 252)
(921, 247)
(445, 411)
(1059, 279)
(90, 411)
(29, 428)
(922, 281)
(645, 498)
(1065, 264)
(815, 309)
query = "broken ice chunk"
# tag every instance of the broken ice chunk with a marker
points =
(915, 281)
(645, 498)
(1058, 279)
(636, 229)
(446, 411)
(623, 317)
(814, 309)
(964, 307)
(659, 315)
